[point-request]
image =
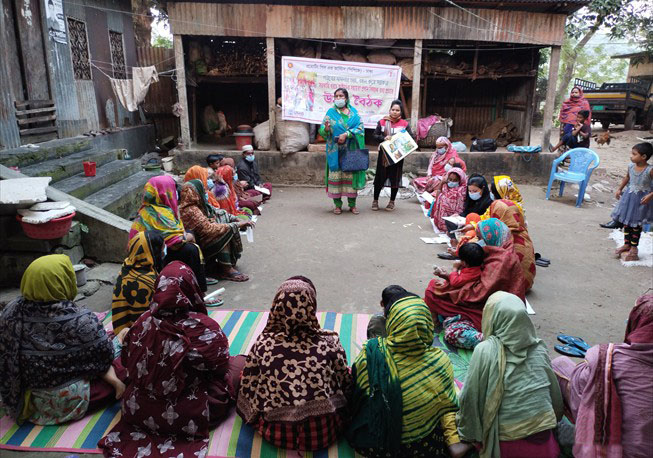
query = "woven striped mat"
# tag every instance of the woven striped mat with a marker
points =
(232, 438)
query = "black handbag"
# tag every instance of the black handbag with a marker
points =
(354, 159)
(484, 144)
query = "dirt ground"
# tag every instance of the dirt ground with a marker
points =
(585, 291)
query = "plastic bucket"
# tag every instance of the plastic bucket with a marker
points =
(89, 168)
(80, 274)
(243, 139)
(167, 164)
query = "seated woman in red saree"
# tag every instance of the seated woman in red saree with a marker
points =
(500, 272)
(294, 386)
(181, 379)
(442, 160)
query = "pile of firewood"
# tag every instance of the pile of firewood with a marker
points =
(503, 131)
(487, 65)
(227, 58)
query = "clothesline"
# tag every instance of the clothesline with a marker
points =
(167, 73)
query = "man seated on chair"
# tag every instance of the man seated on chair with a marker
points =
(248, 174)
(579, 136)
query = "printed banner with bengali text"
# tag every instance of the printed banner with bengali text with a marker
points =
(307, 88)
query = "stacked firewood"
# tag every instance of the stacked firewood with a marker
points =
(503, 131)
(227, 58)
(488, 64)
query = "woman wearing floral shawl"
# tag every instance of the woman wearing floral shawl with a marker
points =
(443, 159)
(341, 128)
(511, 402)
(450, 198)
(294, 385)
(55, 356)
(181, 379)
(404, 401)
(610, 394)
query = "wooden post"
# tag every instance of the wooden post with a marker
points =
(272, 98)
(182, 97)
(550, 97)
(417, 77)
(475, 64)
(530, 101)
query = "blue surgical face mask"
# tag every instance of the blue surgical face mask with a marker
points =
(235, 176)
(209, 183)
(492, 196)
(340, 103)
(448, 167)
(249, 157)
(453, 184)
(481, 242)
(474, 195)
(441, 150)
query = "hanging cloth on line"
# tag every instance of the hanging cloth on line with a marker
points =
(131, 93)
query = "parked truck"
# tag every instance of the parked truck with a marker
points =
(620, 103)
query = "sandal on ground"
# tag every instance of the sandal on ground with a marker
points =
(538, 257)
(214, 302)
(632, 255)
(354, 210)
(235, 276)
(375, 205)
(211, 281)
(337, 211)
(620, 250)
(574, 341)
(390, 207)
(551, 148)
(448, 256)
(539, 262)
(569, 350)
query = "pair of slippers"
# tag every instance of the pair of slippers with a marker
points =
(575, 347)
(448, 256)
(540, 261)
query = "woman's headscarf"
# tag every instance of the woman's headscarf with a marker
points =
(340, 125)
(450, 201)
(572, 106)
(494, 232)
(46, 340)
(135, 283)
(401, 376)
(509, 337)
(508, 190)
(159, 211)
(439, 161)
(198, 188)
(640, 321)
(481, 205)
(295, 369)
(48, 279)
(199, 173)
(226, 172)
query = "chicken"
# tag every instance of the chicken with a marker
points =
(603, 138)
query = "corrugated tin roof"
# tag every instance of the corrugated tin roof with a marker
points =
(551, 6)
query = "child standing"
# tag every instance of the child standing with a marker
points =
(635, 206)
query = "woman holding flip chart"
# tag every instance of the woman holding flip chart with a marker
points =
(388, 173)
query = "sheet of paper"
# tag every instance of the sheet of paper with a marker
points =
(440, 238)
(262, 190)
(458, 220)
(427, 197)
(529, 309)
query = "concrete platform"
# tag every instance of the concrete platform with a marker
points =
(82, 186)
(70, 165)
(54, 149)
(308, 167)
(123, 198)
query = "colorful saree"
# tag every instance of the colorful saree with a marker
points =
(450, 201)
(342, 184)
(510, 391)
(403, 376)
(512, 217)
(135, 283)
(295, 380)
(508, 190)
(230, 201)
(436, 169)
(500, 272)
(572, 106)
(179, 382)
(159, 211)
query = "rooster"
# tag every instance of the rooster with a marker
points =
(603, 138)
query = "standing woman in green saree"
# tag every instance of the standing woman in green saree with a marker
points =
(342, 128)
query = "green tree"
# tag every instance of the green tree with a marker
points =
(622, 18)
(160, 41)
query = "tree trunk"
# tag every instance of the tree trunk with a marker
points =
(142, 22)
(570, 62)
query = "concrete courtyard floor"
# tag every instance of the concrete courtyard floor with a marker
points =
(351, 258)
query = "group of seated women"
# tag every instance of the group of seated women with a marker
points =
(176, 379)
(493, 252)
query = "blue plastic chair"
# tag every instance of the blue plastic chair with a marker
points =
(583, 163)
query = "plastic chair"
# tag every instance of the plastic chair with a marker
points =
(583, 163)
